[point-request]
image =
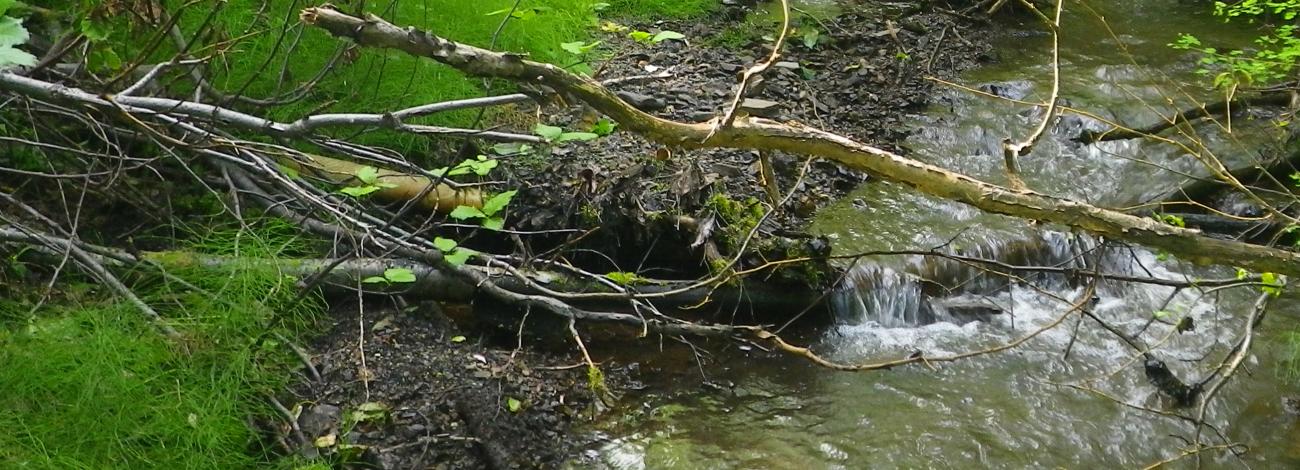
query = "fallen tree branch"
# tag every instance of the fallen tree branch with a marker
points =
(761, 134)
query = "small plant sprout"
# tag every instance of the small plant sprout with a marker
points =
(645, 37)
(603, 127)
(392, 276)
(452, 253)
(558, 135)
(368, 176)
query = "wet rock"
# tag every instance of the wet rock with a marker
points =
(787, 65)
(1015, 90)
(643, 102)
(318, 420)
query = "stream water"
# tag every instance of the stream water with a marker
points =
(1014, 409)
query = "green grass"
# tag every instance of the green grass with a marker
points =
(656, 9)
(88, 383)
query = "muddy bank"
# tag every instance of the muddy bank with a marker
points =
(675, 213)
(430, 394)
(465, 390)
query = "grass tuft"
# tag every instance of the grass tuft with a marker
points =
(90, 384)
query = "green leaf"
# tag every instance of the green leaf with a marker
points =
(93, 30)
(514, 148)
(574, 47)
(10, 57)
(367, 174)
(458, 339)
(582, 136)
(666, 36)
(374, 280)
(370, 411)
(811, 37)
(466, 212)
(103, 58)
(513, 404)
(444, 244)
(579, 47)
(5, 5)
(604, 127)
(494, 223)
(1242, 273)
(640, 36)
(399, 275)
(599, 6)
(458, 256)
(12, 32)
(359, 191)
(482, 167)
(548, 132)
(498, 202)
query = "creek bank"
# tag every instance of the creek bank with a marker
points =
(679, 214)
(640, 208)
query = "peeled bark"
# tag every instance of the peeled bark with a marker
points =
(766, 135)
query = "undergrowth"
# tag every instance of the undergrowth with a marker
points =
(249, 42)
(88, 383)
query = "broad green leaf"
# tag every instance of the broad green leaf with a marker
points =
(458, 339)
(359, 191)
(458, 256)
(12, 32)
(548, 132)
(399, 275)
(498, 202)
(444, 244)
(494, 223)
(574, 47)
(582, 136)
(5, 5)
(466, 212)
(103, 58)
(640, 36)
(93, 30)
(512, 149)
(374, 280)
(10, 57)
(666, 36)
(513, 404)
(368, 174)
(482, 168)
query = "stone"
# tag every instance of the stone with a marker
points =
(643, 102)
(787, 65)
(761, 108)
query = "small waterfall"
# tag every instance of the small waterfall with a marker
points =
(927, 289)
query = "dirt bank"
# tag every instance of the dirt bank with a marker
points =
(439, 393)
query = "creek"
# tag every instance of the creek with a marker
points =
(1007, 410)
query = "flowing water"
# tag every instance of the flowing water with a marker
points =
(1014, 409)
